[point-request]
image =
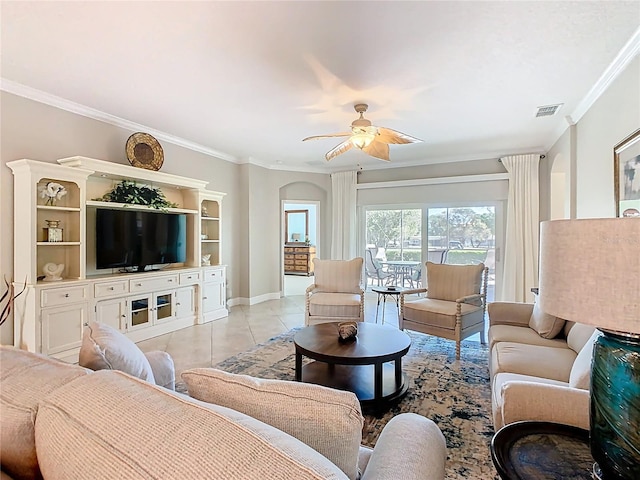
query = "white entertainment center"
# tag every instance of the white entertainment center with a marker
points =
(49, 316)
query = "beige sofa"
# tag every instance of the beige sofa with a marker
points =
(534, 377)
(62, 421)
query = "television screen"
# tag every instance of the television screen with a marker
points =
(130, 238)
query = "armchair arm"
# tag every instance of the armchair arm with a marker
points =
(413, 291)
(470, 298)
(310, 289)
(163, 369)
(543, 402)
(409, 447)
(510, 313)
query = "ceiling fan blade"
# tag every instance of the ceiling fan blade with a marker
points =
(386, 135)
(339, 149)
(316, 137)
(377, 149)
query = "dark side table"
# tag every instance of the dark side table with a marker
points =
(383, 293)
(542, 451)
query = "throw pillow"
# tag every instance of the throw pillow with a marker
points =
(547, 326)
(338, 276)
(26, 378)
(330, 421)
(105, 348)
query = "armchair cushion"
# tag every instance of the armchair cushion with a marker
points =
(105, 348)
(547, 326)
(334, 305)
(328, 420)
(339, 276)
(439, 313)
(450, 282)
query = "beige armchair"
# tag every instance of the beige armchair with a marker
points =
(337, 294)
(454, 306)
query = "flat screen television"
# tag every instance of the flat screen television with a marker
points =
(135, 239)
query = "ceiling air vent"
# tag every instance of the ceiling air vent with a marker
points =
(548, 110)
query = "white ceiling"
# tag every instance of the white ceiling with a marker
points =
(249, 80)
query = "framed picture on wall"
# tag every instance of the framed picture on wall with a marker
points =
(626, 171)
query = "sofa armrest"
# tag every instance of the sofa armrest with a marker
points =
(409, 447)
(509, 313)
(546, 403)
(163, 369)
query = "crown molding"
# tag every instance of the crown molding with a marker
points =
(73, 107)
(622, 60)
(617, 66)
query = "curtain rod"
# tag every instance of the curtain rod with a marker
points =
(541, 157)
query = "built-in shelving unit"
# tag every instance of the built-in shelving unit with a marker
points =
(51, 318)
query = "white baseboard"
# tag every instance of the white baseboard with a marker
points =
(232, 302)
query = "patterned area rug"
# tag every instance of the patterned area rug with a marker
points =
(454, 394)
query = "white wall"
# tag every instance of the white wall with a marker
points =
(614, 116)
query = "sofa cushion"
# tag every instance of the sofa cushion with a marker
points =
(521, 334)
(339, 276)
(328, 420)
(450, 282)
(535, 360)
(547, 326)
(579, 335)
(105, 348)
(580, 376)
(26, 378)
(112, 425)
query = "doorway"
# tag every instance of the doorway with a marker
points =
(294, 284)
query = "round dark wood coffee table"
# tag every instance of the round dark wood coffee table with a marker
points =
(357, 366)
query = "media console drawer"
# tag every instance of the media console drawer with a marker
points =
(150, 284)
(52, 297)
(189, 278)
(108, 289)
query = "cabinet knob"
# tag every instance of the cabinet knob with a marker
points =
(138, 284)
(189, 277)
(66, 295)
(178, 304)
(110, 288)
(204, 298)
(123, 316)
(170, 280)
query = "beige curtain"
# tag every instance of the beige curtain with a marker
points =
(343, 228)
(521, 245)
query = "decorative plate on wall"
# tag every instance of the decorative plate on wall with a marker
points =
(144, 151)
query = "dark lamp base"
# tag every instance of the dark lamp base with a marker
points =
(615, 406)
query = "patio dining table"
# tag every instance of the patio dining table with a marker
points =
(402, 269)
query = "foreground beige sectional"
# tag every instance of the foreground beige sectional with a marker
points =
(61, 421)
(538, 378)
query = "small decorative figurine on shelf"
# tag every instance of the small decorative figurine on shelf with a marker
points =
(204, 211)
(52, 272)
(52, 191)
(307, 242)
(206, 260)
(53, 231)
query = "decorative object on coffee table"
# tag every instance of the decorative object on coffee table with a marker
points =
(52, 272)
(144, 151)
(347, 331)
(541, 450)
(601, 291)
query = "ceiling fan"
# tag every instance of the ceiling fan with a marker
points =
(370, 139)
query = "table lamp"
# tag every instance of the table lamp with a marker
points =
(590, 273)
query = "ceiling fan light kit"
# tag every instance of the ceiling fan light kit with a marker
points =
(373, 141)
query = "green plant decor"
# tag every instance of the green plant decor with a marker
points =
(130, 193)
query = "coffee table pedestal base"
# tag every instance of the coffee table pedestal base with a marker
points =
(359, 379)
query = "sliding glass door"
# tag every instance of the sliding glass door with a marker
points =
(456, 235)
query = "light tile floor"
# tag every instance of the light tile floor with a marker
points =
(246, 326)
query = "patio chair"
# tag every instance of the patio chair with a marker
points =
(375, 271)
(454, 306)
(337, 294)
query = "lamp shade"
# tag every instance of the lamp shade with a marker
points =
(590, 271)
